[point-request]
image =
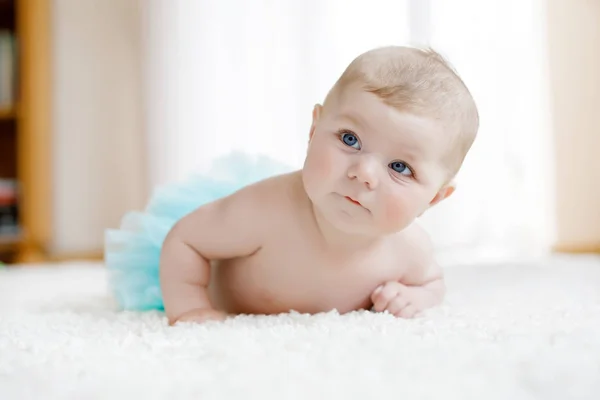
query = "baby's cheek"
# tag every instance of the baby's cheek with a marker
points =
(395, 215)
(322, 162)
(312, 167)
(325, 163)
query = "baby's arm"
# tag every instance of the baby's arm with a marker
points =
(421, 286)
(219, 230)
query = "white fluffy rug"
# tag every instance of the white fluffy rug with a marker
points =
(513, 331)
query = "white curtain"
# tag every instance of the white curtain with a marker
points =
(504, 202)
(244, 75)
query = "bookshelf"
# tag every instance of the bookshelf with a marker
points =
(7, 113)
(24, 130)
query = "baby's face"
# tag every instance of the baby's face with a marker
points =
(371, 169)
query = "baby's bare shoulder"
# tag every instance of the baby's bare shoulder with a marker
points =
(415, 248)
(270, 191)
(236, 224)
(415, 238)
(269, 196)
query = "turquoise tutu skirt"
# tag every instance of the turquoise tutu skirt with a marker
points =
(132, 252)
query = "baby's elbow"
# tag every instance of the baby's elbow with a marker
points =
(179, 234)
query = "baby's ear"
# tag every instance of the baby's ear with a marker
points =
(316, 114)
(445, 192)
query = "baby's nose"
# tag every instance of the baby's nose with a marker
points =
(365, 170)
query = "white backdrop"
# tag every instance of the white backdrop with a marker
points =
(244, 75)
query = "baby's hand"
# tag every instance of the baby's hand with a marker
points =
(200, 315)
(398, 299)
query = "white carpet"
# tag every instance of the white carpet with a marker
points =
(516, 331)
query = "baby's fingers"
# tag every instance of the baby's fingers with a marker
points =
(397, 305)
(382, 296)
(408, 312)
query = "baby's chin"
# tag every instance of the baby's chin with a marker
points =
(374, 229)
(354, 227)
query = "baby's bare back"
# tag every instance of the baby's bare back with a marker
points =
(292, 269)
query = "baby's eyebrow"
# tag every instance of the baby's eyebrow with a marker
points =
(411, 157)
(353, 118)
(409, 150)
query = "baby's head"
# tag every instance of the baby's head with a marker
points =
(391, 135)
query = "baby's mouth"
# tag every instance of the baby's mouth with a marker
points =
(354, 201)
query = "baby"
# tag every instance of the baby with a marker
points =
(340, 233)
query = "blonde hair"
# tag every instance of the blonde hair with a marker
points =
(422, 82)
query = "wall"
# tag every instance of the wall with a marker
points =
(574, 60)
(97, 155)
(98, 162)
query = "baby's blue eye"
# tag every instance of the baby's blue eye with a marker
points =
(351, 140)
(401, 168)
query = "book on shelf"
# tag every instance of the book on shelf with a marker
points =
(8, 70)
(9, 209)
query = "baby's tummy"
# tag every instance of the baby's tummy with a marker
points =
(240, 287)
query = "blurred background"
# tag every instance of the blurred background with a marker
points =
(103, 100)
